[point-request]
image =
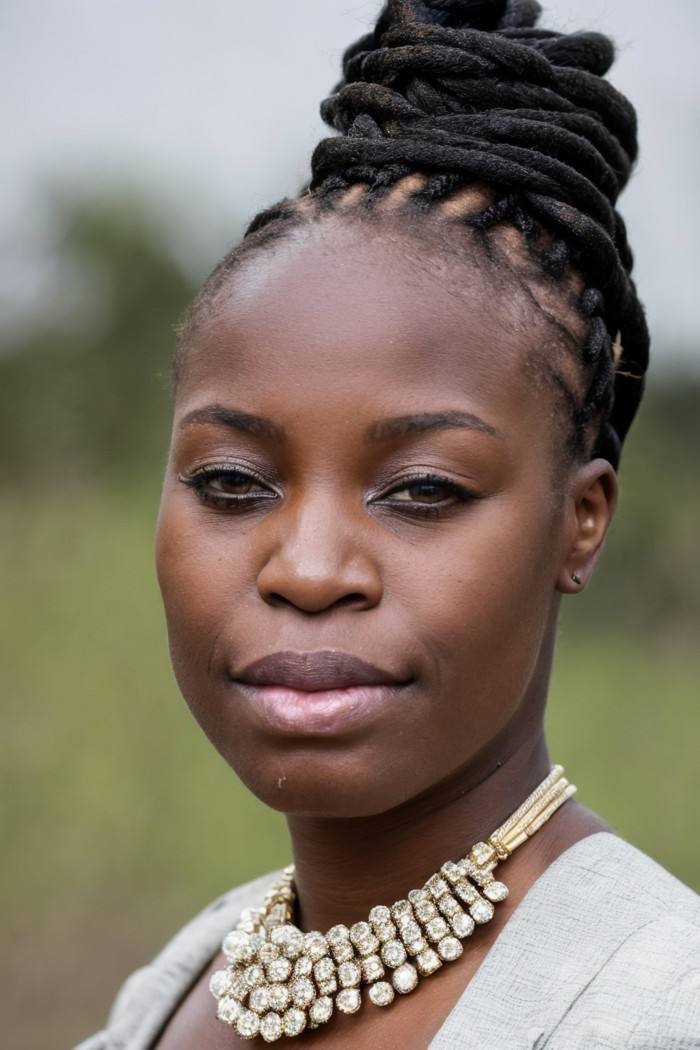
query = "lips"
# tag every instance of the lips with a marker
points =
(314, 671)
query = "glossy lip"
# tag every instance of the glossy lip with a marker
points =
(316, 693)
(321, 712)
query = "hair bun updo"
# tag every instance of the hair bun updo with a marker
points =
(474, 91)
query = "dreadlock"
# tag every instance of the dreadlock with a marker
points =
(471, 93)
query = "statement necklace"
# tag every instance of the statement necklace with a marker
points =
(281, 981)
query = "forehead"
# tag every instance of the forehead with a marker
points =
(341, 317)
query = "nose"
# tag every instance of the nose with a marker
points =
(317, 559)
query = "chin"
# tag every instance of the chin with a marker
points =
(328, 784)
(339, 768)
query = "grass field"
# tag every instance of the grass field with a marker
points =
(120, 820)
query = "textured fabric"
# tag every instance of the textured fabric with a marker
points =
(602, 953)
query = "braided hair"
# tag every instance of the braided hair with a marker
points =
(469, 100)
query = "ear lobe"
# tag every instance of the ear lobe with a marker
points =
(592, 498)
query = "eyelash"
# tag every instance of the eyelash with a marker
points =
(232, 503)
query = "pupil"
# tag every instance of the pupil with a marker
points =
(432, 488)
(233, 484)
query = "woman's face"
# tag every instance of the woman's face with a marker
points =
(395, 505)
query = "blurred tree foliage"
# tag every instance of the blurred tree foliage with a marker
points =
(84, 395)
(84, 392)
(648, 580)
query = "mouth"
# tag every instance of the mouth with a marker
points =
(316, 693)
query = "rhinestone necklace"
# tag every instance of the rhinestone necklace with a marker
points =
(281, 981)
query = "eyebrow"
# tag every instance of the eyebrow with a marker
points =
(380, 430)
(397, 426)
(235, 419)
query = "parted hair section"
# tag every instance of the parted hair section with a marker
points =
(468, 113)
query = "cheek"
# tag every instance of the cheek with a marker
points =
(195, 584)
(482, 622)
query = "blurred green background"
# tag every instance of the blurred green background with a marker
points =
(119, 819)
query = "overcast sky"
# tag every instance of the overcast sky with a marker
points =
(213, 105)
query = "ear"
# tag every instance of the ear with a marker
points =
(591, 503)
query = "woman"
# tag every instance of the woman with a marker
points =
(400, 405)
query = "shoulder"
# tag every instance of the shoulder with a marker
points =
(647, 993)
(607, 867)
(598, 894)
(644, 990)
(602, 952)
(150, 993)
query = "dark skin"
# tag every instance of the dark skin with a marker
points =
(324, 334)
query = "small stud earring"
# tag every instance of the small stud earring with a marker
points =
(575, 577)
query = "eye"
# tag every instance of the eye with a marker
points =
(424, 491)
(429, 494)
(225, 487)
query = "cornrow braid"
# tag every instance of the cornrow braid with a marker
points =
(472, 93)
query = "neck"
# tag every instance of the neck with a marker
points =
(344, 867)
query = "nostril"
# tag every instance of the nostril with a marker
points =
(356, 598)
(353, 599)
(275, 598)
